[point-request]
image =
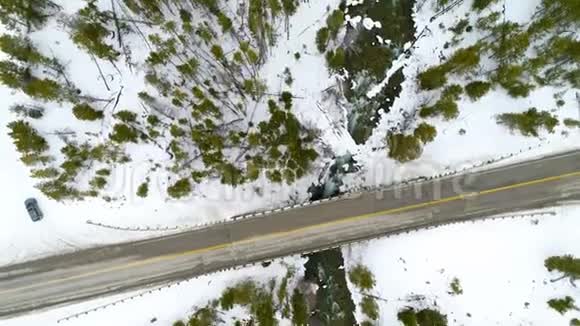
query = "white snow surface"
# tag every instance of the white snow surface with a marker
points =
(64, 227)
(499, 264)
(483, 139)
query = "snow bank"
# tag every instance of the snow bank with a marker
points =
(499, 264)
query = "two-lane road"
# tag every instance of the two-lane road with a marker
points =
(96, 272)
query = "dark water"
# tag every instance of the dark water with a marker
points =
(368, 61)
(334, 303)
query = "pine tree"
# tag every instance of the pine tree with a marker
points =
(126, 116)
(26, 138)
(43, 89)
(143, 190)
(58, 190)
(123, 134)
(464, 59)
(477, 89)
(217, 52)
(90, 31)
(322, 39)
(370, 307)
(568, 265)
(224, 21)
(510, 78)
(335, 59)
(404, 148)
(289, 7)
(21, 49)
(230, 175)
(529, 121)
(45, 173)
(431, 317)
(299, 309)
(481, 4)
(425, 132)
(562, 305)
(334, 22)
(180, 188)
(12, 75)
(433, 78)
(86, 112)
(361, 277)
(511, 41)
(24, 14)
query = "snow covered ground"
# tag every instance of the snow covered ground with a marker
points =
(64, 227)
(499, 264)
(483, 138)
(476, 261)
(166, 305)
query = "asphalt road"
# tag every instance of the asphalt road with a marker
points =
(64, 279)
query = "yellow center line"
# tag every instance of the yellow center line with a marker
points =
(279, 234)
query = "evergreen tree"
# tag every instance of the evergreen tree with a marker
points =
(556, 13)
(334, 22)
(407, 317)
(217, 52)
(123, 134)
(180, 188)
(58, 190)
(511, 41)
(428, 317)
(446, 105)
(481, 4)
(43, 89)
(98, 182)
(90, 32)
(299, 309)
(86, 112)
(425, 132)
(26, 138)
(562, 305)
(46, 173)
(510, 78)
(404, 148)
(477, 89)
(289, 7)
(126, 116)
(322, 39)
(25, 14)
(224, 21)
(143, 190)
(203, 317)
(464, 59)
(21, 49)
(361, 277)
(370, 307)
(529, 121)
(335, 59)
(12, 75)
(568, 265)
(231, 175)
(433, 78)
